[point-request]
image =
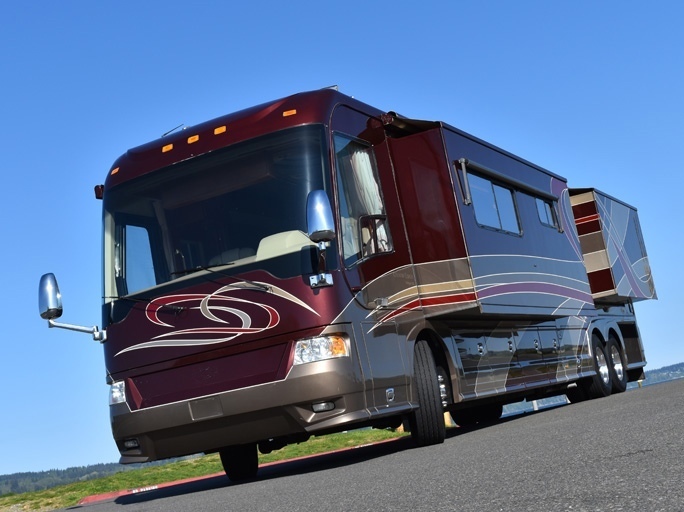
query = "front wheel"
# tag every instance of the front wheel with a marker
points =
(240, 462)
(427, 422)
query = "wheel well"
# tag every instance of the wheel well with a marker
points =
(599, 335)
(617, 335)
(612, 332)
(436, 346)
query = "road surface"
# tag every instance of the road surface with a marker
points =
(621, 453)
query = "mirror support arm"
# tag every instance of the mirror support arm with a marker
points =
(322, 278)
(97, 334)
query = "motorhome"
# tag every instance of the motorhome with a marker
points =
(314, 264)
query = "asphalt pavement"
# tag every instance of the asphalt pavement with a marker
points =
(621, 453)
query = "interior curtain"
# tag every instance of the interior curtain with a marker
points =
(368, 194)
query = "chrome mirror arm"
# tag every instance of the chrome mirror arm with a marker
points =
(97, 334)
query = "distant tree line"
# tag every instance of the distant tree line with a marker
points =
(673, 372)
(18, 483)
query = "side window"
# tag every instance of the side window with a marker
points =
(134, 268)
(363, 221)
(139, 269)
(546, 212)
(494, 205)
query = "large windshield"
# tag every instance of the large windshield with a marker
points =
(240, 206)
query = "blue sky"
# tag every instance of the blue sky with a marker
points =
(590, 90)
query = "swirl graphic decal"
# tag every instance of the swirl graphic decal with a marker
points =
(219, 307)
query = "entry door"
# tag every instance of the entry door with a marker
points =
(374, 252)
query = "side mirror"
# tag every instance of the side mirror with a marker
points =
(50, 307)
(49, 298)
(319, 218)
(319, 221)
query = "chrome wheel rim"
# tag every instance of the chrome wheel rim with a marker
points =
(602, 367)
(617, 363)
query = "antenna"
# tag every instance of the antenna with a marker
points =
(172, 130)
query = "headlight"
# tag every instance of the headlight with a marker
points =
(320, 348)
(117, 393)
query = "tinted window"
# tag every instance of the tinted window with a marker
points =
(494, 205)
(547, 214)
(362, 212)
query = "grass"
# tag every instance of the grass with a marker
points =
(69, 495)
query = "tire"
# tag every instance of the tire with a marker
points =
(601, 384)
(617, 365)
(240, 462)
(427, 422)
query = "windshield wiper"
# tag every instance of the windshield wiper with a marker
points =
(211, 269)
(172, 307)
(254, 284)
(187, 271)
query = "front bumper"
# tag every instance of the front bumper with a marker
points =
(273, 410)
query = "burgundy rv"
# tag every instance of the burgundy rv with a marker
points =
(313, 265)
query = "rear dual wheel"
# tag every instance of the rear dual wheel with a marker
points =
(610, 366)
(611, 371)
(617, 365)
(601, 384)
